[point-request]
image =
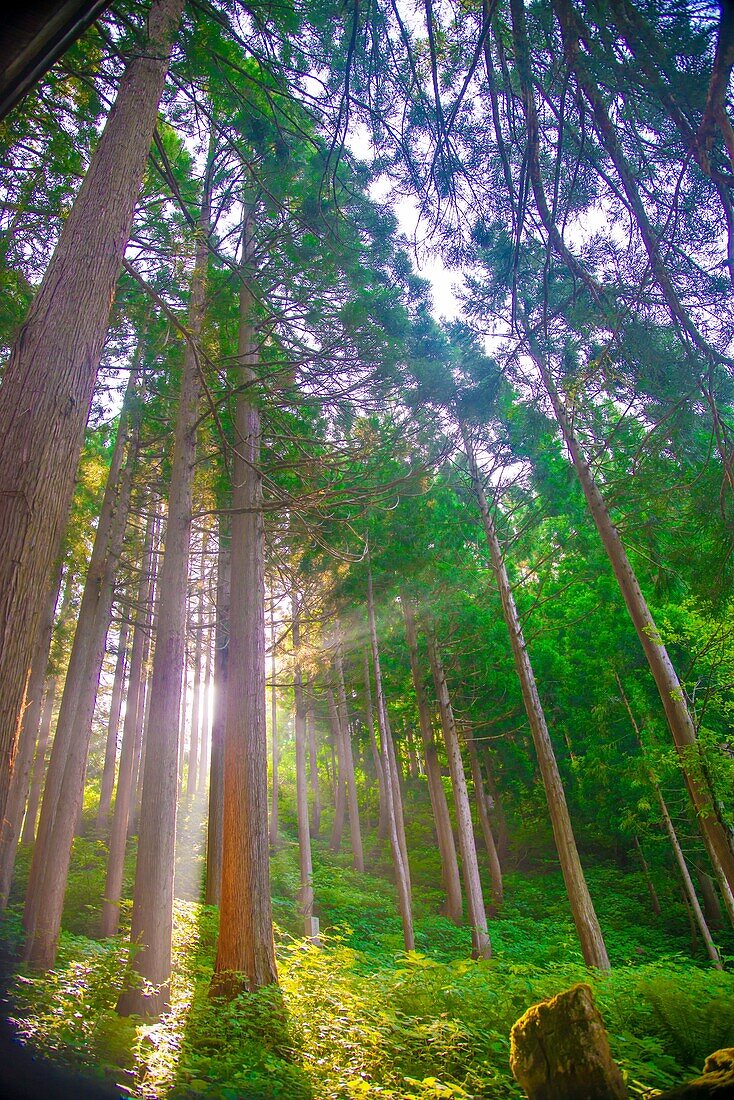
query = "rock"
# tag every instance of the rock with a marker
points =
(559, 1051)
(720, 1060)
(716, 1082)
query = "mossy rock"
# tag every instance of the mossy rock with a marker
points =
(559, 1050)
(716, 1081)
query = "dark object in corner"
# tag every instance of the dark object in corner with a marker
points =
(25, 1076)
(34, 35)
(28, 1076)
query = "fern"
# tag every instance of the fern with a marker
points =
(695, 1027)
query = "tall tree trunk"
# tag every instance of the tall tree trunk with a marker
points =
(355, 832)
(689, 888)
(55, 359)
(305, 896)
(382, 823)
(672, 696)
(313, 761)
(726, 892)
(340, 794)
(43, 916)
(206, 736)
(79, 663)
(113, 728)
(481, 946)
(689, 891)
(152, 915)
(18, 793)
(142, 723)
(39, 767)
(212, 891)
(582, 908)
(444, 832)
(245, 950)
(196, 720)
(486, 826)
(397, 791)
(183, 723)
(392, 790)
(133, 719)
(273, 730)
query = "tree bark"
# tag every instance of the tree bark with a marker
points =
(305, 897)
(133, 719)
(196, 724)
(481, 946)
(39, 768)
(245, 950)
(18, 793)
(273, 730)
(142, 719)
(355, 832)
(212, 892)
(382, 824)
(49, 378)
(183, 723)
(480, 795)
(152, 915)
(726, 892)
(76, 675)
(313, 770)
(689, 888)
(392, 790)
(113, 728)
(582, 908)
(340, 798)
(43, 915)
(397, 791)
(444, 832)
(204, 757)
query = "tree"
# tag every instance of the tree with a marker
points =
(66, 326)
(393, 800)
(306, 897)
(153, 896)
(245, 948)
(64, 790)
(584, 915)
(447, 847)
(133, 722)
(482, 947)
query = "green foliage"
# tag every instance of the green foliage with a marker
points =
(693, 1026)
(360, 1017)
(85, 887)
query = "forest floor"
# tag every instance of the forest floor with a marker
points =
(359, 1017)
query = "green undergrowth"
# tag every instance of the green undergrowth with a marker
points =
(361, 1018)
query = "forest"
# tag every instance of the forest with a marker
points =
(366, 571)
